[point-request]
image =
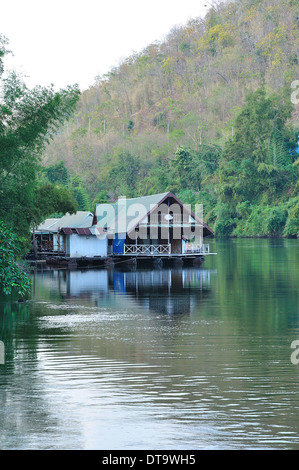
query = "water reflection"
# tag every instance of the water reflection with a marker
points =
(170, 358)
(170, 291)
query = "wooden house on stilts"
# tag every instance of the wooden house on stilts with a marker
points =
(157, 228)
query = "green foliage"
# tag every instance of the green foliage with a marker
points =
(257, 168)
(123, 174)
(275, 221)
(159, 178)
(79, 194)
(208, 116)
(160, 121)
(57, 174)
(219, 35)
(188, 174)
(291, 229)
(191, 167)
(101, 198)
(68, 193)
(29, 119)
(177, 134)
(225, 222)
(261, 221)
(12, 275)
(130, 125)
(52, 199)
(259, 128)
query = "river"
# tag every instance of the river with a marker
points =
(170, 358)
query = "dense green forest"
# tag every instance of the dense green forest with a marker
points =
(206, 113)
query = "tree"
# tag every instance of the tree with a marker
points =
(51, 199)
(68, 193)
(80, 194)
(57, 173)
(192, 167)
(123, 175)
(260, 117)
(258, 158)
(188, 172)
(29, 118)
(257, 170)
(101, 198)
(12, 276)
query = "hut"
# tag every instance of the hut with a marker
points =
(48, 238)
(158, 227)
(155, 226)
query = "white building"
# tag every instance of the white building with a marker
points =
(47, 237)
(83, 242)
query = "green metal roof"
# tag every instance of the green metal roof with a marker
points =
(46, 225)
(115, 216)
(122, 208)
(81, 219)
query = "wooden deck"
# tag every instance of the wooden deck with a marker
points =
(161, 254)
(164, 251)
(133, 254)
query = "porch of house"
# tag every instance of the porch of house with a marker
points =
(165, 250)
(161, 253)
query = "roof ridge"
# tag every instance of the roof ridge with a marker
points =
(135, 198)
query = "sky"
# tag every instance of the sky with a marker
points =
(63, 42)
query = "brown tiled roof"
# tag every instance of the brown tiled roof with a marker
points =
(83, 231)
(67, 230)
(76, 231)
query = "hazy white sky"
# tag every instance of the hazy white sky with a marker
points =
(70, 41)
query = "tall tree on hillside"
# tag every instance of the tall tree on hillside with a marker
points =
(259, 157)
(258, 167)
(124, 174)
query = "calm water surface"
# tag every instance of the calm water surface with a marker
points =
(178, 358)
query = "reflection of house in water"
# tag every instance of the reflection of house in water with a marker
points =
(164, 290)
(168, 291)
(87, 284)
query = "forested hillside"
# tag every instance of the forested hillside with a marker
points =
(207, 114)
